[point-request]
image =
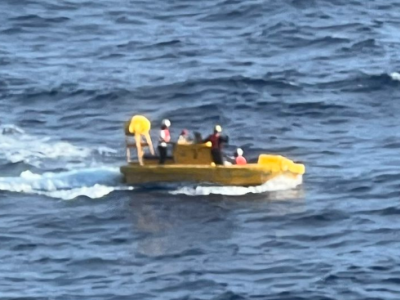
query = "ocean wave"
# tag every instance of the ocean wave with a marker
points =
(201, 87)
(19, 146)
(93, 183)
(36, 21)
(93, 192)
(363, 82)
(367, 45)
(395, 76)
(36, 18)
(168, 89)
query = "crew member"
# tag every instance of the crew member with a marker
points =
(165, 138)
(135, 129)
(184, 137)
(239, 158)
(216, 140)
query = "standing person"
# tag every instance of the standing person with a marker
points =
(164, 139)
(216, 141)
(135, 130)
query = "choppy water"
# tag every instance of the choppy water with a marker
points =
(315, 81)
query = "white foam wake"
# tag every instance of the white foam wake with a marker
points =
(395, 76)
(92, 182)
(18, 146)
(279, 183)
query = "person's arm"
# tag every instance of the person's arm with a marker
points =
(224, 139)
(208, 139)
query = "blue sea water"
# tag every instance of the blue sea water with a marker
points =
(314, 80)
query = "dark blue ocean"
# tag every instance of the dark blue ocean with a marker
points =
(313, 80)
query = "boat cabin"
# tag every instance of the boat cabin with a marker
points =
(184, 154)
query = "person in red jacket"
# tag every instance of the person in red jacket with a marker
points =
(239, 158)
(164, 139)
(216, 141)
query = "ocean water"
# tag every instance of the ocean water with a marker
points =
(317, 81)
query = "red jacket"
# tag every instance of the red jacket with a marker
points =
(240, 160)
(215, 141)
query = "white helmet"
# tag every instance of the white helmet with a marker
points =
(239, 151)
(166, 122)
(217, 128)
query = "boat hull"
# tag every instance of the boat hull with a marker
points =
(193, 163)
(249, 175)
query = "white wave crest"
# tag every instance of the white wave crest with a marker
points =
(93, 183)
(395, 76)
(17, 146)
(106, 151)
(279, 183)
(93, 192)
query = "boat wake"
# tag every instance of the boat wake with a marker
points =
(279, 183)
(84, 177)
(81, 176)
(18, 146)
(96, 183)
(92, 182)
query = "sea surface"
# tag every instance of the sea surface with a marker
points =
(314, 80)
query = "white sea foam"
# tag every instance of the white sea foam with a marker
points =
(94, 192)
(18, 146)
(92, 182)
(395, 76)
(279, 183)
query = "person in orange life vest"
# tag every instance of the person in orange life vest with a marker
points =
(165, 138)
(239, 158)
(216, 141)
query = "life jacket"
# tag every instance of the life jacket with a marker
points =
(240, 160)
(214, 139)
(165, 137)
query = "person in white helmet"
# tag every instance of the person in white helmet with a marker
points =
(164, 139)
(239, 158)
(216, 140)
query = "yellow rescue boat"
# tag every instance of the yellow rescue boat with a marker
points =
(193, 163)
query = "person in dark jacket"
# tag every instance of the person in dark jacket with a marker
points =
(216, 140)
